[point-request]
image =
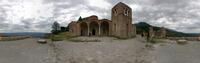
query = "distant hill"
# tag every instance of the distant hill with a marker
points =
(32, 34)
(143, 26)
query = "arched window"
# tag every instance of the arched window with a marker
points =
(115, 12)
(126, 12)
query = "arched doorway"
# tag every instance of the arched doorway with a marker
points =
(84, 29)
(105, 28)
(94, 28)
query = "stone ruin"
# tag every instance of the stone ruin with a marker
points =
(119, 26)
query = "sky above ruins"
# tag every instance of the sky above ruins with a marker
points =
(38, 15)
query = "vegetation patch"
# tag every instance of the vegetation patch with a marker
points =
(61, 36)
(84, 40)
(67, 36)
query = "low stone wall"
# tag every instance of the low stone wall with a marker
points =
(186, 38)
(13, 38)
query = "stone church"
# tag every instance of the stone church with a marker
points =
(119, 26)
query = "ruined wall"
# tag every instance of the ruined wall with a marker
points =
(13, 38)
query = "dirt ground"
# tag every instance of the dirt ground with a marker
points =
(23, 51)
(109, 50)
(175, 53)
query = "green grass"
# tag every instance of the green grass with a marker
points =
(79, 40)
(61, 36)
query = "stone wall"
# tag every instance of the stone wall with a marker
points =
(13, 38)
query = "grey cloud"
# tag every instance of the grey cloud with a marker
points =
(46, 23)
(152, 10)
(175, 11)
(27, 23)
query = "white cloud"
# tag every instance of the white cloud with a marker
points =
(136, 7)
(16, 11)
(38, 15)
(99, 3)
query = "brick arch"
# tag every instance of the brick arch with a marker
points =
(94, 28)
(84, 29)
(104, 28)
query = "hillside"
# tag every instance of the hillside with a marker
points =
(142, 26)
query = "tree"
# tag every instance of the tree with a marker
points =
(56, 28)
(63, 29)
(80, 19)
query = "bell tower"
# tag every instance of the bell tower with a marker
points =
(122, 21)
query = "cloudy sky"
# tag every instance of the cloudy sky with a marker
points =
(38, 15)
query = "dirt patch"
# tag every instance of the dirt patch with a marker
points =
(107, 51)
